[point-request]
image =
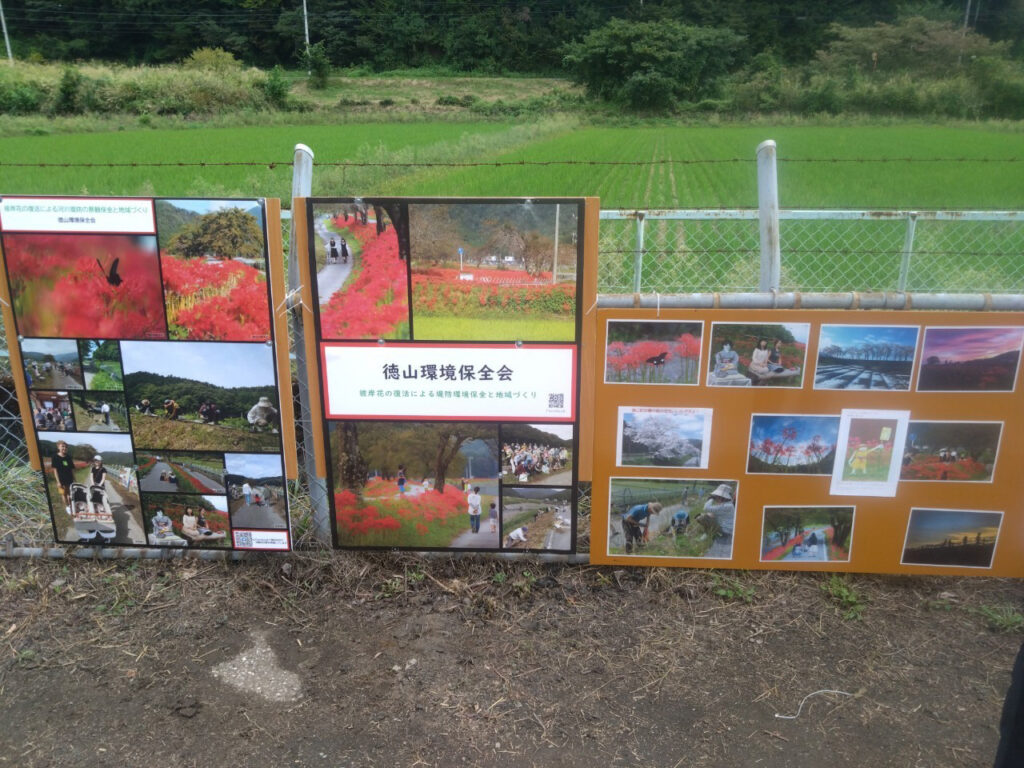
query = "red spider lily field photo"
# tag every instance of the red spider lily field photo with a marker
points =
(494, 271)
(95, 286)
(214, 269)
(412, 484)
(962, 451)
(654, 352)
(362, 277)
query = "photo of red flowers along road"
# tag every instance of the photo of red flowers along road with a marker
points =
(487, 271)
(95, 286)
(214, 269)
(363, 289)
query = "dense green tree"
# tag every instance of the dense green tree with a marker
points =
(651, 65)
(228, 234)
(916, 45)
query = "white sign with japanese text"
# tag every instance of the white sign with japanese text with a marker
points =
(473, 382)
(131, 216)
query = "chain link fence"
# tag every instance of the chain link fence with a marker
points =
(682, 251)
(690, 251)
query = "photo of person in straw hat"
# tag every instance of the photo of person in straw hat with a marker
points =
(672, 518)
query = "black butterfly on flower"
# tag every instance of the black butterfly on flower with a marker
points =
(112, 277)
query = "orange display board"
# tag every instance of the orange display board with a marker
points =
(868, 441)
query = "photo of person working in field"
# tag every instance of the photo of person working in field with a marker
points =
(176, 384)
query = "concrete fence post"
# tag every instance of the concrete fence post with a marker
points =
(908, 251)
(768, 207)
(638, 257)
(302, 186)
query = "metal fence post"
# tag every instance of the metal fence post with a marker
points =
(638, 257)
(302, 186)
(768, 207)
(908, 251)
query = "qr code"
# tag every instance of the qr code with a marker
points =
(556, 401)
(243, 539)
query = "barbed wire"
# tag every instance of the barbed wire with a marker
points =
(273, 164)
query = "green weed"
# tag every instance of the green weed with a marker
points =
(390, 588)
(845, 597)
(732, 590)
(1002, 618)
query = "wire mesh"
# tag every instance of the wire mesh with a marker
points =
(968, 256)
(828, 255)
(822, 251)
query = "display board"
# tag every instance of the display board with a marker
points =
(145, 333)
(866, 441)
(447, 335)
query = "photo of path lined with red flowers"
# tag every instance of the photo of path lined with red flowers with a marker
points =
(373, 301)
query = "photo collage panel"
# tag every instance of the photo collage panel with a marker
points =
(862, 452)
(150, 366)
(449, 437)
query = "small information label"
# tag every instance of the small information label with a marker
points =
(77, 214)
(245, 539)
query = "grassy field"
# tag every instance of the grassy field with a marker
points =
(411, 90)
(807, 177)
(647, 164)
(157, 433)
(491, 329)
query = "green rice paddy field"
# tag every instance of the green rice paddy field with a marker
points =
(896, 166)
(807, 177)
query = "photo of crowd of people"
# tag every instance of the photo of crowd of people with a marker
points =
(51, 411)
(536, 454)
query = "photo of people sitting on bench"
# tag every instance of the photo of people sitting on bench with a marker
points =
(757, 355)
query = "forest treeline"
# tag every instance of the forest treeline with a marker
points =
(521, 36)
(805, 57)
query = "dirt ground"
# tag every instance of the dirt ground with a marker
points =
(388, 660)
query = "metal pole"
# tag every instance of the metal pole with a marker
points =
(305, 23)
(768, 208)
(638, 257)
(554, 260)
(908, 251)
(7, 40)
(302, 186)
